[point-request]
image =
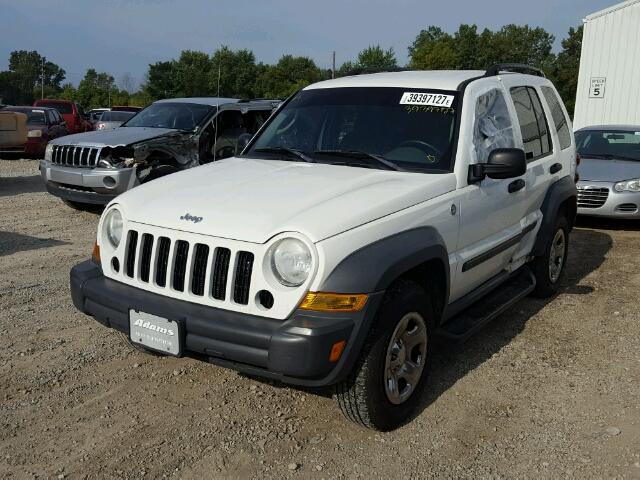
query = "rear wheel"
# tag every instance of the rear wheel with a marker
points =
(385, 387)
(549, 267)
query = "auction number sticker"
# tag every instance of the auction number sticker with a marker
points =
(429, 99)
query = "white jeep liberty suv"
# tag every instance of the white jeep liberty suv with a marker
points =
(368, 216)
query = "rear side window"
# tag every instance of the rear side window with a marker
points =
(559, 118)
(533, 123)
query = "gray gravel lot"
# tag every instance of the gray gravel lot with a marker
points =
(551, 389)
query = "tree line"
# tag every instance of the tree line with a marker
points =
(236, 73)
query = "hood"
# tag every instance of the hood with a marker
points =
(114, 138)
(253, 200)
(601, 170)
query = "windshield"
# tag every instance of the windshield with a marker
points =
(63, 108)
(609, 144)
(181, 116)
(116, 116)
(412, 129)
(34, 117)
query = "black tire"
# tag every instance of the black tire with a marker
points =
(159, 171)
(135, 346)
(362, 396)
(547, 280)
(83, 207)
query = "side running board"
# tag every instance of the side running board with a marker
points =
(469, 321)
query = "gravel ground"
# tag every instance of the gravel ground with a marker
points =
(551, 389)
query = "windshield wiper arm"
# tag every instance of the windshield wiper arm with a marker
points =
(286, 151)
(362, 155)
(609, 156)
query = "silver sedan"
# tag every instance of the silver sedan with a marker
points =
(110, 119)
(609, 170)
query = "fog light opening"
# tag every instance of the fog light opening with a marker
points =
(109, 182)
(265, 299)
(115, 264)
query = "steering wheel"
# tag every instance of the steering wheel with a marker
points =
(420, 145)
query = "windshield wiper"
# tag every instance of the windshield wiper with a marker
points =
(362, 156)
(286, 151)
(609, 156)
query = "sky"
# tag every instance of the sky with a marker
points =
(122, 37)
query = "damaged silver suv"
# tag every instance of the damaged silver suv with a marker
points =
(168, 136)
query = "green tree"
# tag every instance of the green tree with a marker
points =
(161, 80)
(193, 74)
(287, 76)
(28, 70)
(99, 90)
(567, 66)
(517, 44)
(238, 73)
(375, 58)
(433, 49)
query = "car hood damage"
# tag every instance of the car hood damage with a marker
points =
(253, 200)
(116, 138)
(143, 147)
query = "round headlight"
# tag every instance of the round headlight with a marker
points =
(113, 227)
(291, 262)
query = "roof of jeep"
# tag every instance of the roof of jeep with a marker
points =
(435, 79)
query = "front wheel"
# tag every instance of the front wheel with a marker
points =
(385, 387)
(549, 267)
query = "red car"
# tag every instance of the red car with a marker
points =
(43, 124)
(71, 112)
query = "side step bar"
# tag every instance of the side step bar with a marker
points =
(469, 321)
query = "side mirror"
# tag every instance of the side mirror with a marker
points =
(502, 163)
(243, 141)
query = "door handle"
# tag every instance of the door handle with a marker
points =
(516, 185)
(555, 168)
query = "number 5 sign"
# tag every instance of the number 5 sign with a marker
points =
(597, 87)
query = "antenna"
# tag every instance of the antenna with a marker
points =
(215, 133)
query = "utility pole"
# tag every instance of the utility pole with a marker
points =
(42, 80)
(333, 70)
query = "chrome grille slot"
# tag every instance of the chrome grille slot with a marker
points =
(627, 208)
(592, 197)
(200, 259)
(145, 257)
(220, 273)
(72, 156)
(180, 265)
(242, 281)
(164, 245)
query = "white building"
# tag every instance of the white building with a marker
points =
(609, 81)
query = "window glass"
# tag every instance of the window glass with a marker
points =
(365, 121)
(609, 144)
(492, 126)
(533, 124)
(559, 118)
(181, 116)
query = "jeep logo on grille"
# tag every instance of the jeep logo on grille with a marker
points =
(191, 218)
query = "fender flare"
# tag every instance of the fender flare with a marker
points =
(558, 193)
(375, 266)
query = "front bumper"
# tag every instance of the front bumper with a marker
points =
(616, 205)
(87, 185)
(294, 351)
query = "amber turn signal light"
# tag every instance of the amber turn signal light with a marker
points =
(333, 302)
(95, 255)
(336, 351)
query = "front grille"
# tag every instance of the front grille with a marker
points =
(592, 197)
(189, 267)
(627, 208)
(71, 156)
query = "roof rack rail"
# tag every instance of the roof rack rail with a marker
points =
(495, 69)
(368, 70)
